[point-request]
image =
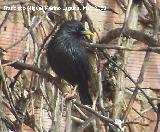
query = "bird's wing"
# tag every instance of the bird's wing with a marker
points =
(81, 63)
(68, 60)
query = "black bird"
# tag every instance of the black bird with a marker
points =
(67, 57)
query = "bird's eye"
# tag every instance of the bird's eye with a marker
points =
(79, 29)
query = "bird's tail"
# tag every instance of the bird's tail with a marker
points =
(84, 94)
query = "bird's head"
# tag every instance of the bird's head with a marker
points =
(75, 28)
(80, 30)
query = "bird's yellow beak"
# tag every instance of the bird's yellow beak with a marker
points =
(87, 33)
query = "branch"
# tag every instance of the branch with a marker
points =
(103, 118)
(117, 47)
(136, 123)
(139, 81)
(35, 22)
(23, 66)
(5, 19)
(142, 37)
(68, 126)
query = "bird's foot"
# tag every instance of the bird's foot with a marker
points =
(69, 96)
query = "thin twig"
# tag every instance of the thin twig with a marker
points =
(19, 65)
(137, 123)
(103, 118)
(34, 25)
(5, 19)
(68, 126)
(139, 81)
(142, 37)
(117, 47)
(81, 112)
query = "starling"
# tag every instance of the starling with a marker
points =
(68, 58)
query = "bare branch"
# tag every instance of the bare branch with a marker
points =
(23, 66)
(103, 118)
(117, 47)
(144, 38)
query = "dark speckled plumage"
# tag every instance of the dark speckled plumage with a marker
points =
(68, 57)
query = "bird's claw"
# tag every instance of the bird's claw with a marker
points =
(69, 96)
